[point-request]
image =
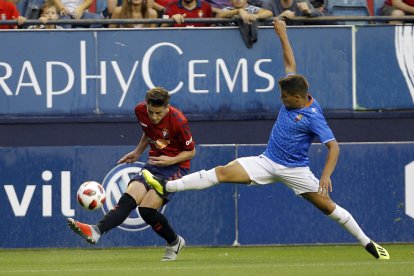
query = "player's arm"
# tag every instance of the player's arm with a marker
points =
(263, 14)
(111, 5)
(288, 56)
(115, 15)
(165, 160)
(325, 184)
(61, 8)
(187, 146)
(227, 13)
(137, 152)
(399, 4)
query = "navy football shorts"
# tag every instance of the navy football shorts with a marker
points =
(168, 172)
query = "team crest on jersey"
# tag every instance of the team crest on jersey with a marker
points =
(298, 117)
(115, 184)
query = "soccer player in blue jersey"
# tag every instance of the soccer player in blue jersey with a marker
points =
(286, 156)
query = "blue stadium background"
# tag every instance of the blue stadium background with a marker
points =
(358, 74)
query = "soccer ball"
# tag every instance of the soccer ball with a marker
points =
(91, 195)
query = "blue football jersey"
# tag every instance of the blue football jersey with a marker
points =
(293, 133)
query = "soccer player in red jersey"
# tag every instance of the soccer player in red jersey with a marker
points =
(166, 131)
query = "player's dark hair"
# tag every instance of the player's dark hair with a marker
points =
(48, 5)
(294, 85)
(157, 96)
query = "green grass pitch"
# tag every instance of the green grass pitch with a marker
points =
(246, 260)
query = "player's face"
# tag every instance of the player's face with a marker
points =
(156, 113)
(50, 13)
(290, 101)
(239, 3)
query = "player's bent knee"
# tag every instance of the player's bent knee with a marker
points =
(397, 13)
(221, 173)
(137, 190)
(226, 173)
(324, 204)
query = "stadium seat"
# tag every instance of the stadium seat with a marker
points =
(348, 8)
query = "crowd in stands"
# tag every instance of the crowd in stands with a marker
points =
(248, 11)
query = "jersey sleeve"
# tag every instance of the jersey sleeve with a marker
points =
(320, 127)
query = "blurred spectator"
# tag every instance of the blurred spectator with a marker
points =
(133, 9)
(188, 9)
(109, 7)
(48, 11)
(247, 12)
(287, 9)
(257, 3)
(30, 8)
(218, 5)
(246, 16)
(8, 11)
(76, 9)
(397, 8)
(319, 5)
(161, 6)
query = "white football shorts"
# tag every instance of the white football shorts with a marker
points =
(263, 171)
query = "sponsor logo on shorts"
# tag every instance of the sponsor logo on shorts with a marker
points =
(115, 184)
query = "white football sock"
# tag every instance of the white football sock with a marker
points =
(194, 181)
(344, 218)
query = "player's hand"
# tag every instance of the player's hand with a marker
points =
(179, 18)
(286, 15)
(162, 160)
(245, 16)
(20, 19)
(303, 7)
(43, 19)
(279, 26)
(77, 13)
(325, 186)
(64, 11)
(128, 158)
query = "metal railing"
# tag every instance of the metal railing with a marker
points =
(224, 21)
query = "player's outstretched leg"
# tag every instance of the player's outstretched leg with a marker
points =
(377, 251)
(86, 231)
(157, 183)
(172, 251)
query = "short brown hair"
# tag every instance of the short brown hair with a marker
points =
(294, 85)
(157, 96)
(47, 5)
